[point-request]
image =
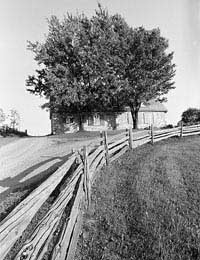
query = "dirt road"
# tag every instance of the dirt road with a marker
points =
(27, 160)
(24, 159)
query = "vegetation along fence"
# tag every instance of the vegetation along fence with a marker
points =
(75, 177)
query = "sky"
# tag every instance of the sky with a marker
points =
(22, 21)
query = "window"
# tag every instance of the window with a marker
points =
(90, 120)
(96, 120)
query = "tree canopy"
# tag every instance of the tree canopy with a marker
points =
(191, 116)
(148, 69)
(100, 64)
(14, 119)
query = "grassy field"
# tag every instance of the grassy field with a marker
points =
(84, 135)
(146, 205)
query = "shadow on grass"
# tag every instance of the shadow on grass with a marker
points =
(145, 206)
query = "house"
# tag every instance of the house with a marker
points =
(152, 113)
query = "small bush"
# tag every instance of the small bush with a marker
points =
(191, 116)
(8, 131)
(167, 126)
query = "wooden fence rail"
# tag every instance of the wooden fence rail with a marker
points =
(17, 221)
(81, 168)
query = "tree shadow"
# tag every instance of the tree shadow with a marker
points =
(14, 184)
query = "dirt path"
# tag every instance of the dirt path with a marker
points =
(25, 158)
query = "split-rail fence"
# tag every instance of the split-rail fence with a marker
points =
(80, 169)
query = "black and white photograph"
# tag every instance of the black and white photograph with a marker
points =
(100, 130)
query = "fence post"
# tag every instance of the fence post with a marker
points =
(181, 133)
(130, 134)
(101, 138)
(106, 146)
(86, 175)
(152, 134)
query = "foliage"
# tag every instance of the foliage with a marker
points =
(100, 64)
(10, 131)
(77, 58)
(148, 70)
(2, 116)
(191, 116)
(167, 126)
(14, 118)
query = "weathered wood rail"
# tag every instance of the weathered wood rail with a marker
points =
(79, 172)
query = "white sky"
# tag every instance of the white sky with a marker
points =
(22, 20)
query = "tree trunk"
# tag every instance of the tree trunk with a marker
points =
(113, 122)
(80, 122)
(134, 114)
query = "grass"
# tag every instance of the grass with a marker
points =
(84, 135)
(146, 205)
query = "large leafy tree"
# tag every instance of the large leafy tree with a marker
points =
(149, 69)
(100, 64)
(80, 64)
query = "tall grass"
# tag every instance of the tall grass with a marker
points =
(146, 205)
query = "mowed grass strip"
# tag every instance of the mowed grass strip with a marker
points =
(146, 205)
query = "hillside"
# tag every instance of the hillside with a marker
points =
(146, 205)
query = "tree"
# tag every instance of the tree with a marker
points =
(191, 116)
(100, 64)
(14, 119)
(77, 61)
(2, 116)
(148, 70)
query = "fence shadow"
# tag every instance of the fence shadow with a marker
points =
(91, 160)
(15, 184)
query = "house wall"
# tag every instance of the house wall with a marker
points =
(59, 125)
(159, 119)
(99, 122)
(124, 120)
(145, 119)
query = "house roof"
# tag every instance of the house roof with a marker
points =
(153, 106)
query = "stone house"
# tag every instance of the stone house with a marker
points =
(152, 113)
